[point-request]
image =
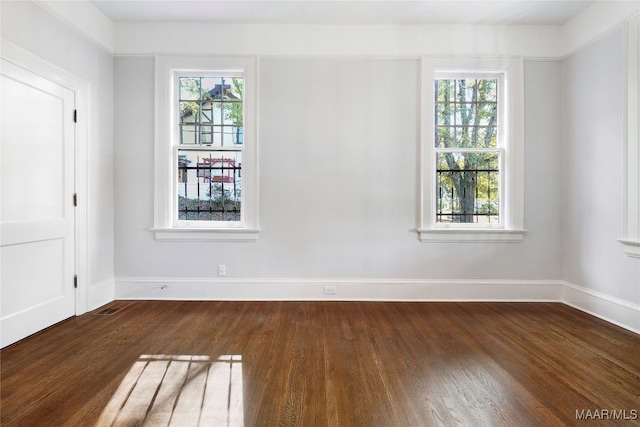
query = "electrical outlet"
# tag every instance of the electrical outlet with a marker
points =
(222, 270)
(329, 290)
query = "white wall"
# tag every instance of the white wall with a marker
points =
(592, 81)
(28, 26)
(338, 158)
(338, 180)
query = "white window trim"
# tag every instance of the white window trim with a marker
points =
(511, 228)
(631, 231)
(165, 226)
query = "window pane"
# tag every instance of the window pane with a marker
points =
(445, 90)
(468, 107)
(445, 114)
(237, 89)
(232, 135)
(465, 114)
(217, 136)
(232, 112)
(487, 114)
(188, 134)
(207, 113)
(486, 137)
(488, 90)
(209, 185)
(446, 137)
(207, 101)
(468, 187)
(211, 88)
(216, 112)
(206, 135)
(189, 88)
(466, 89)
(189, 111)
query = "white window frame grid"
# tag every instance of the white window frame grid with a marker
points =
(509, 72)
(167, 226)
(204, 148)
(498, 149)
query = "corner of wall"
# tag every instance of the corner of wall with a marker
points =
(613, 310)
(101, 293)
(596, 21)
(85, 18)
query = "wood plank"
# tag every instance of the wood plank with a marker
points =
(169, 389)
(323, 364)
(188, 407)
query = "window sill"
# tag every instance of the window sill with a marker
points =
(206, 235)
(459, 235)
(631, 247)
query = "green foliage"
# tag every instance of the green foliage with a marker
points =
(216, 209)
(193, 95)
(189, 96)
(466, 118)
(466, 113)
(234, 110)
(221, 199)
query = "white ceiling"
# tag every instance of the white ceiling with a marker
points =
(367, 12)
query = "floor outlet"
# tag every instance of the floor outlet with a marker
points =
(329, 290)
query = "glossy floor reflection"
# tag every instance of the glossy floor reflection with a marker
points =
(178, 390)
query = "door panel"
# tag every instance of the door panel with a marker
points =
(37, 285)
(37, 219)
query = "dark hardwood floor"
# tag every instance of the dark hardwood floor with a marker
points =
(324, 364)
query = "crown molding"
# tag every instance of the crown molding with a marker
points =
(530, 41)
(595, 22)
(84, 18)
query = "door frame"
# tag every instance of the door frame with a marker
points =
(49, 71)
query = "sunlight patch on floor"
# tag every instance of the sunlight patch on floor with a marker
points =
(178, 390)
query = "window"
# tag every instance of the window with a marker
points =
(209, 152)
(206, 149)
(467, 153)
(472, 136)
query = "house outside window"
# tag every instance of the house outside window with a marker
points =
(472, 150)
(206, 149)
(210, 114)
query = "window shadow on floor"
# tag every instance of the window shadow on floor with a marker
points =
(178, 390)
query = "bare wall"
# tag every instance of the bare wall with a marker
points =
(592, 81)
(338, 141)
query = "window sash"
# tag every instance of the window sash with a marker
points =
(206, 192)
(208, 185)
(480, 174)
(510, 73)
(165, 224)
(500, 130)
(207, 118)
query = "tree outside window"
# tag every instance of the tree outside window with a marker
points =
(467, 153)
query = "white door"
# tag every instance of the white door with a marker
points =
(37, 219)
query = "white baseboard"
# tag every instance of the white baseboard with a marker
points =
(101, 293)
(613, 310)
(345, 290)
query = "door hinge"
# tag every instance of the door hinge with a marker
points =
(75, 281)
(75, 199)
(75, 116)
